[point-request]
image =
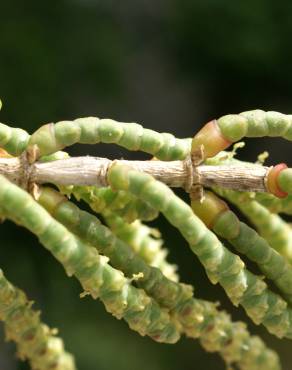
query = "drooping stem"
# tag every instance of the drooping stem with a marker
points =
(35, 340)
(144, 241)
(217, 333)
(270, 226)
(216, 215)
(242, 287)
(120, 203)
(96, 276)
(197, 318)
(274, 204)
(88, 227)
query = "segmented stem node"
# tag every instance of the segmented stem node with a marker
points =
(124, 264)
(272, 180)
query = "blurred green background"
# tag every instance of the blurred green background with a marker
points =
(169, 65)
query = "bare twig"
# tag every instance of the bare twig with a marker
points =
(93, 171)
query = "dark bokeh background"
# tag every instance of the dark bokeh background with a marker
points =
(170, 65)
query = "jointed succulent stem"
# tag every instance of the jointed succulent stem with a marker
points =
(121, 203)
(35, 340)
(274, 204)
(90, 130)
(270, 226)
(196, 318)
(13, 140)
(130, 275)
(144, 241)
(96, 276)
(87, 227)
(221, 133)
(217, 215)
(242, 287)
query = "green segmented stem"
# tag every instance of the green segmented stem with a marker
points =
(35, 340)
(270, 226)
(121, 203)
(96, 276)
(88, 227)
(285, 181)
(217, 333)
(274, 204)
(222, 266)
(90, 130)
(199, 319)
(259, 208)
(255, 123)
(247, 241)
(217, 135)
(144, 241)
(13, 140)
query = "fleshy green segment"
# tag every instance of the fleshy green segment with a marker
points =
(285, 181)
(274, 204)
(144, 241)
(96, 276)
(201, 319)
(122, 257)
(256, 123)
(215, 213)
(90, 130)
(198, 319)
(35, 340)
(247, 241)
(222, 266)
(270, 226)
(217, 333)
(13, 140)
(121, 203)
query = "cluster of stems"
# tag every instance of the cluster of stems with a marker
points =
(36, 341)
(123, 262)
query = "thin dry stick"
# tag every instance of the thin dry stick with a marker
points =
(92, 171)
